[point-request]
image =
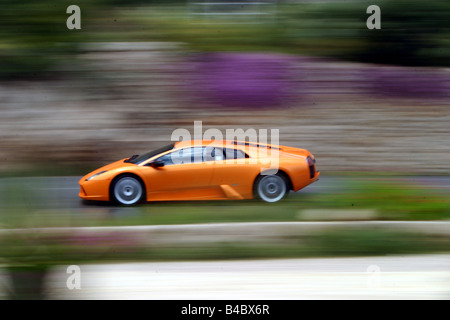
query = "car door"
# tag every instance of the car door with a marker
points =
(185, 176)
(234, 174)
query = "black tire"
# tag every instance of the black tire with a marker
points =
(271, 188)
(127, 190)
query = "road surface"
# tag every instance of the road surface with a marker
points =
(386, 277)
(62, 192)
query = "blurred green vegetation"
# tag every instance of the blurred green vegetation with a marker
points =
(332, 243)
(325, 244)
(28, 237)
(22, 250)
(34, 37)
(392, 200)
(412, 32)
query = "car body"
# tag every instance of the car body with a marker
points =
(203, 170)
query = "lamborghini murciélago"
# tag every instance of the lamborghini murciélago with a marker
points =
(203, 170)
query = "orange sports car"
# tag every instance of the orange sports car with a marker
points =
(203, 170)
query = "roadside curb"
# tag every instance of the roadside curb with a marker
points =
(243, 232)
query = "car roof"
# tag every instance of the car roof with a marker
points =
(223, 143)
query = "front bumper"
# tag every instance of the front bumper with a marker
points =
(94, 190)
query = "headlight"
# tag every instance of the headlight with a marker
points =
(95, 175)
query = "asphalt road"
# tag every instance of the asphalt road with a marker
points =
(62, 192)
(387, 277)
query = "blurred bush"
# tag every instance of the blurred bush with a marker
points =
(392, 82)
(415, 33)
(34, 37)
(373, 242)
(141, 2)
(29, 254)
(243, 79)
(412, 32)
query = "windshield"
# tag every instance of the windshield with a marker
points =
(148, 155)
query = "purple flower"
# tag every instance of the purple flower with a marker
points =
(243, 80)
(408, 82)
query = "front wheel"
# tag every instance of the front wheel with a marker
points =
(127, 190)
(271, 188)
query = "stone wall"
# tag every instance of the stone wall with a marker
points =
(127, 98)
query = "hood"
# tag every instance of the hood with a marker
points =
(109, 167)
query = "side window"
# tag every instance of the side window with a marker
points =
(208, 153)
(212, 154)
(234, 154)
(192, 155)
(182, 156)
(170, 158)
(196, 154)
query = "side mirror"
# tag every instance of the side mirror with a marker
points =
(156, 164)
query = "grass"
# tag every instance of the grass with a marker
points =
(390, 200)
(43, 251)
(342, 243)
(393, 200)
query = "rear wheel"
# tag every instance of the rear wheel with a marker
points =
(127, 190)
(271, 188)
